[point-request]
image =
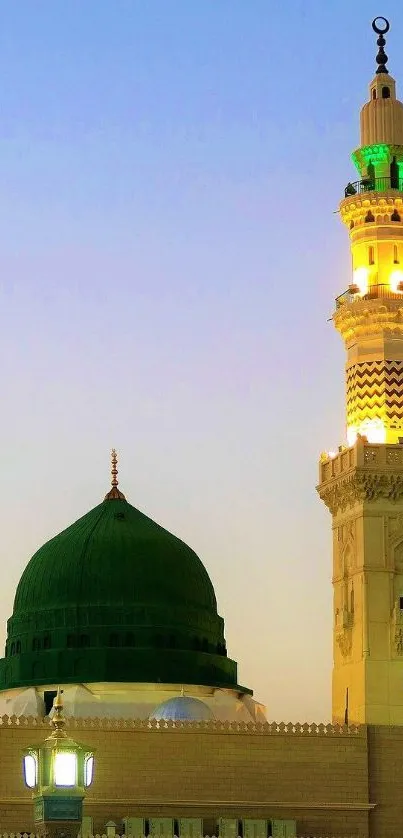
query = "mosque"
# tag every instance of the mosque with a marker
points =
(122, 615)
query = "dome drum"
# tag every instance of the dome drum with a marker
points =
(93, 665)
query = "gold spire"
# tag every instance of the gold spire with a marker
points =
(114, 493)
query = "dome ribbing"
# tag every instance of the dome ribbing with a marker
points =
(115, 597)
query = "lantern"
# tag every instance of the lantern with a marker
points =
(59, 771)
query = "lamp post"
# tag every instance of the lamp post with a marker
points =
(59, 771)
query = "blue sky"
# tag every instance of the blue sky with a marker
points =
(170, 173)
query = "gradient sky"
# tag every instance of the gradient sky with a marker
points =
(169, 170)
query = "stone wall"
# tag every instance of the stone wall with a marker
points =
(316, 774)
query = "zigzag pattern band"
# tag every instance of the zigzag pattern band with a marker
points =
(375, 390)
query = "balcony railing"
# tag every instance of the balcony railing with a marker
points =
(380, 290)
(378, 184)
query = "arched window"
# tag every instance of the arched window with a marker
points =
(371, 256)
(18, 647)
(394, 174)
(351, 225)
(395, 216)
(373, 93)
(386, 92)
(395, 254)
(71, 641)
(130, 639)
(84, 640)
(369, 217)
(46, 641)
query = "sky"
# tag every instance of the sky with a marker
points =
(170, 175)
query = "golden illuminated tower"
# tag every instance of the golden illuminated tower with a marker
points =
(362, 484)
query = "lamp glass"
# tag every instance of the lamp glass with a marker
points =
(88, 770)
(30, 770)
(65, 768)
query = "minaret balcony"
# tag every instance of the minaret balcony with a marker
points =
(379, 184)
(379, 290)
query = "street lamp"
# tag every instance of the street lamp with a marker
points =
(59, 771)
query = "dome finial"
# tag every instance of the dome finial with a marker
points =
(114, 493)
(381, 58)
(114, 469)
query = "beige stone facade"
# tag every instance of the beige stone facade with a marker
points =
(317, 776)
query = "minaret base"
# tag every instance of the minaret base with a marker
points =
(363, 488)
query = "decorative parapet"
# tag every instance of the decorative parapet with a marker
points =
(256, 728)
(364, 472)
(104, 835)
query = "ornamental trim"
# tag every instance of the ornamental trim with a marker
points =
(359, 486)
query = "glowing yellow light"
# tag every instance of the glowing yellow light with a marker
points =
(361, 279)
(395, 279)
(372, 429)
(65, 768)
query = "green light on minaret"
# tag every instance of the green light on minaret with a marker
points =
(370, 154)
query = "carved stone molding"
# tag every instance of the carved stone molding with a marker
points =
(398, 641)
(359, 486)
(344, 641)
(361, 317)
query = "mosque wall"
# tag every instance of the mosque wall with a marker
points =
(385, 746)
(316, 775)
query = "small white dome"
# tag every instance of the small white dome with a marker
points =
(182, 708)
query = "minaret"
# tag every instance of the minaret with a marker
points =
(362, 484)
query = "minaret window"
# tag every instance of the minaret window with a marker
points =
(395, 254)
(394, 174)
(374, 93)
(386, 92)
(371, 259)
(401, 603)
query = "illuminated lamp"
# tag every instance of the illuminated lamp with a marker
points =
(360, 281)
(58, 772)
(396, 281)
(373, 429)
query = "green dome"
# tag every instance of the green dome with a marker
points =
(115, 597)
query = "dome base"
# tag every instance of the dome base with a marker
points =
(118, 664)
(128, 701)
